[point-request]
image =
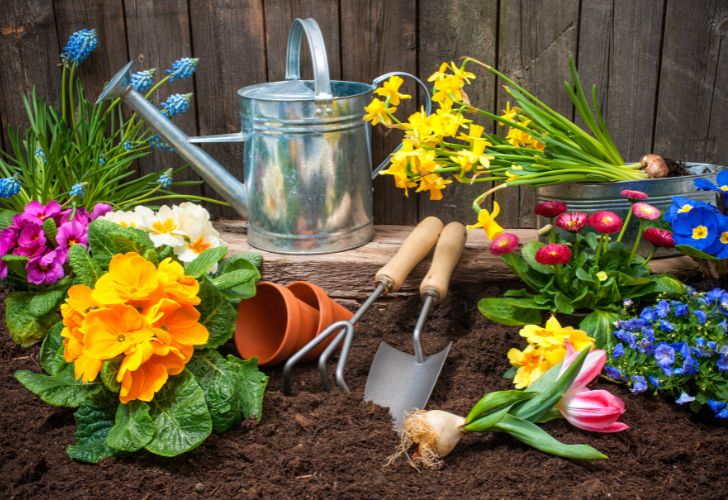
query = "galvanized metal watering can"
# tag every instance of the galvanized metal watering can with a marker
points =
(307, 156)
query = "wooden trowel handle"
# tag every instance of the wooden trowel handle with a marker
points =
(447, 254)
(414, 248)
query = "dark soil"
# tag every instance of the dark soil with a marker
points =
(318, 444)
(676, 168)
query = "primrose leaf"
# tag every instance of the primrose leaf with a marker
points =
(233, 388)
(16, 264)
(529, 255)
(669, 285)
(133, 427)
(92, 428)
(598, 325)
(238, 284)
(85, 269)
(109, 372)
(204, 261)
(51, 350)
(216, 314)
(6, 218)
(511, 311)
(61, 389)
(107, 239)
(180, 415)
(46, 301)
(25, 328)
(234, 261)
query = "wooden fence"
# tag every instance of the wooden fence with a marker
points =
(661, 65)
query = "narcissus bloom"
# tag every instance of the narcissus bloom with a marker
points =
(633, 195)
(659, 237)
(390, 90)
(606, 222)
(645, 211)
(486, 220)
(550, 208)
(553, 254)
(572, 221)
(504, 243)
(376, 112)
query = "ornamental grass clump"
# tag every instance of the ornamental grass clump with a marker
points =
(583, 269)
(677, 348)
(135, 352)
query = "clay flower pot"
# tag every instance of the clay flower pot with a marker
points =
(329, 311)
(274, 324)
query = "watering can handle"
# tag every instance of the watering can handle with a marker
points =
(428, 109)
(322, 82)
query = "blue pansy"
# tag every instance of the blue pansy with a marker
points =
(684, 398)
(662, 308)
(79, 46)
(723, 413)
(664, 355)
(681, 204)
(719, 248)
(614, 373)
(679, 309)
(697, 228)
(633, 324)
(689, 367)
(182, 68)
(618, 351)
(639, 384)
(722, 363)
(649, 314)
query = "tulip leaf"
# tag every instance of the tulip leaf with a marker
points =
(85, 269)
(61, 389)
(511, 311)
(534, 436)
(25, 328)
(233, 388)
(205, 261)
(695, 253)
(487, 422)
(51, 351)
(496, 400)
(598, 325)
(6, 218)
(216, 314)
(181, 418)
(133, 427)
(92, 427)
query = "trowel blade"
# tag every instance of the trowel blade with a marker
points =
(398, 382)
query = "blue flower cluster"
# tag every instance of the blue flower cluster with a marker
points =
(127, 146)
(79, 46)
(721, 186)
(142, 81)
(9, 187)
(156, 142)
(679, 348)
(176, 104)
(78, 190)
(699, 225)
(40, 154)
(183, 68)
(164, 180)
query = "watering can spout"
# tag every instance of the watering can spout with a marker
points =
(214, 174)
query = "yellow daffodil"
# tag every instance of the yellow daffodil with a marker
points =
(439, 74)
(509, 113)
(399, 166)
(486, 220)
(130, 278)
(390, 90)
(434, 183)
(377, 112)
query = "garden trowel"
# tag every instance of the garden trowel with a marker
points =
(402, 381)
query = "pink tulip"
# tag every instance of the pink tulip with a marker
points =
(596, 411)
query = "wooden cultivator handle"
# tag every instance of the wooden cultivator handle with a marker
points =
(447, 254)
(414, 248)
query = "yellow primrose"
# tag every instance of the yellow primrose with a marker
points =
(390, 90)
(131, 277)
(554, 335)
(112, 330)
(377, 112)
(530, 364)
(486, 220)
(174, 284)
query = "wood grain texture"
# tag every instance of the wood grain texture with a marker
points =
(619, 51)
(30, 56)
(158, 34)
(535, 40)
(379, 36)
(692, 107)
(463, 29)
(229, 37)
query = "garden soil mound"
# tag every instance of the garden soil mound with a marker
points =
(319, 444)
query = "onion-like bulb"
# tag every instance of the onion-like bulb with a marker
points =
(655, 166)
(434, 432)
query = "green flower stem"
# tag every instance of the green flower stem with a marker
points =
(651, 254)
(636, 242)
(63, 91)
(626, 222)
(598, 253)
(72, 104)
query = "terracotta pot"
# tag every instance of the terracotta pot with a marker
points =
(329, 311)
(274, 324)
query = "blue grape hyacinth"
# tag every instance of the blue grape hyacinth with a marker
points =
(183, 68)
(127, 146)
(165, 180)
(78, 190)
(79, 46)
(40, 154)
(142, 81)
(156, 142)
(9, 187)
(176, 104)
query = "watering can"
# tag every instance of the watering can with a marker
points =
(307, 153)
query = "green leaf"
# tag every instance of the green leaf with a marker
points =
(107, 239)
(563, 303)
(60, 389)
(669, 285)
(511, 311)
(46, 301)
(25, 328)
(108, 374)
(237, 261)
(92, 428)
(510, 373)
(6, 218)
(181, 418)
(205, 261)
(238, 284)
(529, 255)
(133, 427)
(85, 269)
(534, 436)
(598, 325)
(16, 264)
(694, 253)
(584, 275)
(50, 229)
(496, 400)
(51, 351)
(233, 388)
(216, 314)
(487, 421)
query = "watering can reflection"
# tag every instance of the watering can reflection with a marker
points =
(307, 154)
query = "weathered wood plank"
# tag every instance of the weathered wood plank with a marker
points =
(158, 33)
(350, 274)
(111, 53)
(692, 107)
(229, 38)
(463, 29)
(377, 37)
(619, 51)
(30, 55)
(535, 39)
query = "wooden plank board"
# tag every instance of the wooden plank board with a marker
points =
(229, 37)
(535, 39)
(377, 37)
(463, 29)
(350, 274)
(158, 34)
(30, 55)
(692, 106)
(619, 51)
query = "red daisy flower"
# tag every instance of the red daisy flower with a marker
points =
(605, 222)
(504, 243)
(550, 208)
(659, 237)
(645, 211)
(572, 221)
(553, 253)
(632, 195)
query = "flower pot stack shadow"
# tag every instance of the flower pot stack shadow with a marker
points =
(279, 320)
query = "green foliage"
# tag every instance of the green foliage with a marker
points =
(204, 262)
(25, 328)
(86, 270)
(51, 351)
(133, 427)
(61, 389)
(93, 424)
(107, 239)
(216, 313)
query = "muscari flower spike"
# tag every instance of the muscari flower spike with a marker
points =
(165, 180)
(40, 154)
(142, 81)
(127, 146)
(102, 159)
(78, 190)
(156, 142)
(9, 187)
(79, 46)
(183, 68)
(176, 104)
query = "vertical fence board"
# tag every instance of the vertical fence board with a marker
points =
(30, 55)
(464, 29)
(377, 37)
(692, 107)
(619, 51)
(535, 40)
(158, 34)
(228, 36)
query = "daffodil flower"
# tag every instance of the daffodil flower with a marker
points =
(377, 112)
(486, 220)
(390, 90)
